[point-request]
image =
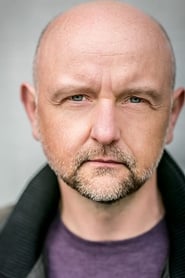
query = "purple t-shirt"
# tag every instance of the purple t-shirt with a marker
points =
(69, 256)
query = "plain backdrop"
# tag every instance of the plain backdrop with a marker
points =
(20, 25)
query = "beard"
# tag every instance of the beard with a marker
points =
(101, 184)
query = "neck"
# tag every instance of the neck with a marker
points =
(123, 219)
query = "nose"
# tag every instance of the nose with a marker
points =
(105, 128)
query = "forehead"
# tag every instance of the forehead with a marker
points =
(74, 39)
(104, 32)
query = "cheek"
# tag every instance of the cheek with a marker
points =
(145, 137)
(63, 134)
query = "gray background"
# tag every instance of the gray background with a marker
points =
(21, 22)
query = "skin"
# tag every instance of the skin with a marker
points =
(103, 108)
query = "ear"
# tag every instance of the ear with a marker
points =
(177, 104)
(28, 97)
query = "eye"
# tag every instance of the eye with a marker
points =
(135, 99)
(77, 97)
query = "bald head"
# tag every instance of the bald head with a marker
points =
(102, 27)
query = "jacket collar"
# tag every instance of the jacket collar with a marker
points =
(22, 239)
(171, 183)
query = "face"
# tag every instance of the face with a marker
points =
(102, 116)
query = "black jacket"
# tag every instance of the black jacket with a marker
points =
(23, 235)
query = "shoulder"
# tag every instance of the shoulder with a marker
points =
(4, 214)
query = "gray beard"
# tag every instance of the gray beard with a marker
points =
(121, 189)
(124, 188)
(83, 184)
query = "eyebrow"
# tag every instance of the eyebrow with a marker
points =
(66, 90)
(144, 91)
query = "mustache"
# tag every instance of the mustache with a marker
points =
(112, 152)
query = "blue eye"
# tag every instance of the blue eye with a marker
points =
(77, 97)
(135, 100)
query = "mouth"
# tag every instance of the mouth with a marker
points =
(104, 162)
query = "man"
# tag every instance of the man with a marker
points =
(103, 106)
